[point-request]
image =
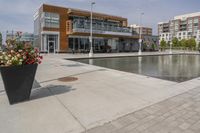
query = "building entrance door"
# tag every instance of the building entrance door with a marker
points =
(51, 45)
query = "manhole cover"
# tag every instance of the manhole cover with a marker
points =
(67, 79)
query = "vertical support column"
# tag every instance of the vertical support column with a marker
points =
(58, 45)
(84, 44)
(55, 42)
(79, 44)
(73, 44)
(41, 42)
(45, 43)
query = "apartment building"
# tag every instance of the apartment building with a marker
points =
(144, 30)
(183, 27)
(60, 29)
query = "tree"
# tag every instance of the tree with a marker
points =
(175, 42)
(182, 43)
(153, 47)
(0, 39)
(145, 46)
(163, 44)
(191, 43)
(199, 46)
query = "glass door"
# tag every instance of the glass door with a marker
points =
(51, 45)
(52, 42)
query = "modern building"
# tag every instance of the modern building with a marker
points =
(60, 29)
(20, 36)
(183, 27)
(144, 30)
(148, 39)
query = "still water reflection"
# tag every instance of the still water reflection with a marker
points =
(177, 68)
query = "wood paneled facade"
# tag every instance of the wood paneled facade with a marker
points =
(65, 28)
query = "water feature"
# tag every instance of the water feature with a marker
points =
(177, 68)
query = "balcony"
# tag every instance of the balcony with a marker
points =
(100, 28)
(102, 32)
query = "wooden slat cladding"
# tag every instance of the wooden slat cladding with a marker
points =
(62, 29)
(50, 29)
(100, 15)
(68, 27)
(65, 28)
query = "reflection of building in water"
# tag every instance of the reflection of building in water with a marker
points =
(179, 67)
(140, 65)
(169, 66)
(91, 61)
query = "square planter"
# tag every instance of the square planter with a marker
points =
(18, 81)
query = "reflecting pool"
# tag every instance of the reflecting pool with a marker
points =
(177, 68)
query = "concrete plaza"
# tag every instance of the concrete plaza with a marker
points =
(101, 100)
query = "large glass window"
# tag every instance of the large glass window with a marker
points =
(176, 25)
(196, 20)
(82, 44)
(51, 20)
(98, 25)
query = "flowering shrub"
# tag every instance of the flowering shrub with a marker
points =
(19, 54)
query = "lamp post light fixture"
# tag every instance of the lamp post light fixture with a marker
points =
(91, 46)
(140, 35)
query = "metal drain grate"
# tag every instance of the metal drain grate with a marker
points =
(67, 79)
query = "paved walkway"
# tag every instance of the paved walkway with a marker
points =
(179, 114)
(100, 95)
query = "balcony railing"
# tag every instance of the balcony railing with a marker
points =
(102, 32)
(102, 29)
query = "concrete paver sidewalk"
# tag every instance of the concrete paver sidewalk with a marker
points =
(179, 114)
(100, 95)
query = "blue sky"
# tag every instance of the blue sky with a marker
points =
(18, 14)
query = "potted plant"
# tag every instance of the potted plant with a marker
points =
(18, 65)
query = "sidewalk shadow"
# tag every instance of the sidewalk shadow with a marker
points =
(50, 90)
(36, 84)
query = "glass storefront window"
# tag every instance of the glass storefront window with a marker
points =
(98, 25)
(50, 20)
(100, 45)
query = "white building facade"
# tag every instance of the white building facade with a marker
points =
(182, 27)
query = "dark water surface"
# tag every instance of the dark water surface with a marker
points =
(177, 68)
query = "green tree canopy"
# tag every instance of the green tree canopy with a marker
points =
(163, 44)
(153, 46)
(191, 43)
(199, 45)
(175, 42)
(182, 43)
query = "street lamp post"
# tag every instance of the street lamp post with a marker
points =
(91, 47)
(140, 35)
